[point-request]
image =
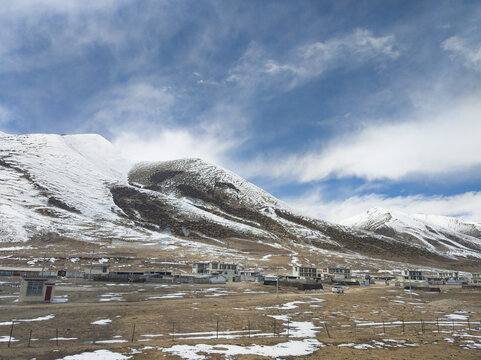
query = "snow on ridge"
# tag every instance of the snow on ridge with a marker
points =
(74, 168)
(426, 228)
(376, 217)
(207, 174)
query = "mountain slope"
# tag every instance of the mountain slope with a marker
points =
(77, 187)
(439, 234)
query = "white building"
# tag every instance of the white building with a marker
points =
(37, 288)
(214, 267)
(449, 275)
(308, 272)
(416, 275)
(96, 270)
(336, 273)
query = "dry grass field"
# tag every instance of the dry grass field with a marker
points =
(240, 320)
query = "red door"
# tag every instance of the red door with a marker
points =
(48, 293)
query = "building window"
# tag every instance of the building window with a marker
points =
(34, 288)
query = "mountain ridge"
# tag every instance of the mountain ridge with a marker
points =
(78, 187)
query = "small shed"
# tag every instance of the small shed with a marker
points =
(96, 270)
(37, 288)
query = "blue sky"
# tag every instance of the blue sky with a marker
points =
(332, 106)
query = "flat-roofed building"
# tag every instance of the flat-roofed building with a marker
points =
(19, 271)
(96, 270)
(449, 275)
(308, 272)
(413, 275)
(336, 272)
(37, 288)
(214, 267)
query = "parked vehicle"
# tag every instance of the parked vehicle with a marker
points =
(338, 289)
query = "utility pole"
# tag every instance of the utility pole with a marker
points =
(410, 287)
(43, 263)
(245, 269)
(91, 264)
(277, 282)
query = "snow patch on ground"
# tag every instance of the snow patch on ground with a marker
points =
(97, 355)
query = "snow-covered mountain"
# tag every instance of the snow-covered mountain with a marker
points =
(78, 187)
(439, 234)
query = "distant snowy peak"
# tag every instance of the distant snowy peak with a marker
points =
(439, 234)
(376, 217)
(369, 220)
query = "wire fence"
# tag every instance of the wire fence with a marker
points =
(24, 334)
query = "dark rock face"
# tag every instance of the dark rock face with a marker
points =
(52, 201)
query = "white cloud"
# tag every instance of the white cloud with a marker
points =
(5, 115)
(171, 144)
(136, 105)
(138, 115)
(443, 143)
(471, 55)
(41, 33)
(466, 205)
(311, 60)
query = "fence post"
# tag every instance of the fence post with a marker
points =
(11, 333)
(133, 333)
(29, 337)
(93, 334)
(453, 324)
(288, 322)
(383, 328)
(274, 332)
(469, 324)
(327, 330)
(217, 329)
(56, 336)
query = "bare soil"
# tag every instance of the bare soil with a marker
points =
(170, 311)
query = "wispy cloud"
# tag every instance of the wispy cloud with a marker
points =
(5, 115)
(470, 54)
(308, 61)
(139, 118)
(41, 33)
(135, 105)
(466, 205)
(444, 142)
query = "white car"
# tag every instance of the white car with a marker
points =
(337, 289)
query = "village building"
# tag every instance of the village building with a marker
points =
(214, 267)
(252, 275)
(96, 270)
(37, 288)
(416, 275)
(475, 278)
(448, 275)
(336, 273)
(308, 272)
(19, 271)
